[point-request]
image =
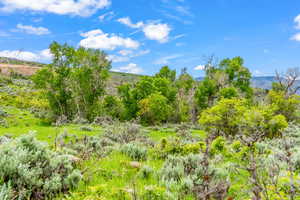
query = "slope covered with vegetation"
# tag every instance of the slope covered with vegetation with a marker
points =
(63, 135)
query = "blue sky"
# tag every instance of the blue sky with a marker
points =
(140, 36)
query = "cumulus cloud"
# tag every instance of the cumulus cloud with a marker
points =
(32, 30)
(199, 67)
(297, 21)
(296, 37)
(166, 59)
(82, 8)
(97, 39)
(159, 32)
(130, 68)
(152, 30)
(43, 55)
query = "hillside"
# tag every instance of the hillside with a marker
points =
(25, 68)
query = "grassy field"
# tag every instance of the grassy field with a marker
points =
(124, 160)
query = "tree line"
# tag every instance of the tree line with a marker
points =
(75, 86)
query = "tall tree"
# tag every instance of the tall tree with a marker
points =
(74, 81)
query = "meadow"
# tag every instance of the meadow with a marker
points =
(67, 132)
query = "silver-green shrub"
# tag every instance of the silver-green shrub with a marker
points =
(34, 171)
(134, 151)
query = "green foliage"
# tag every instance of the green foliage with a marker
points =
(284, 105)
(184, 175)
(206, 93)
(6, 192)
(233, 116)
(145, 172)
(154, 109)
(113, 107)
(34, 171)
(166, 72)
(229, 79)
(131, 96)
(134, 151)
(224, 117)
(175, 146)
(218, 145)
(153, 192)
(74, 81)
(228, 93)
(238, 75)
(185, 82)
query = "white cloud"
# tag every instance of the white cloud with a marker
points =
(22, 55)
(97, 39)
(43, 55)
(125, 52)
(153, 30)
(178, 36)
(130, 68)
(62, 7)
(126, 55)
(106, 16)
(159, 32)
(32, 30)
(116, 58)
(184, 10)
(296, 37)
(127, 21)
(297, 21)
(141, 53)
(199, 67)
(165, 60)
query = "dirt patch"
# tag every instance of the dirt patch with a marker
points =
(25, 70)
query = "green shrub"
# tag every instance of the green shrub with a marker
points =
(175, 147)
(134, 151)
(34, 171)
(154, 109)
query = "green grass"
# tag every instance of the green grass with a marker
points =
(22, 122)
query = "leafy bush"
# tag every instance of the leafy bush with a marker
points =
(34, 171)
(154, 109)
(175, 146)
(134, 151)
